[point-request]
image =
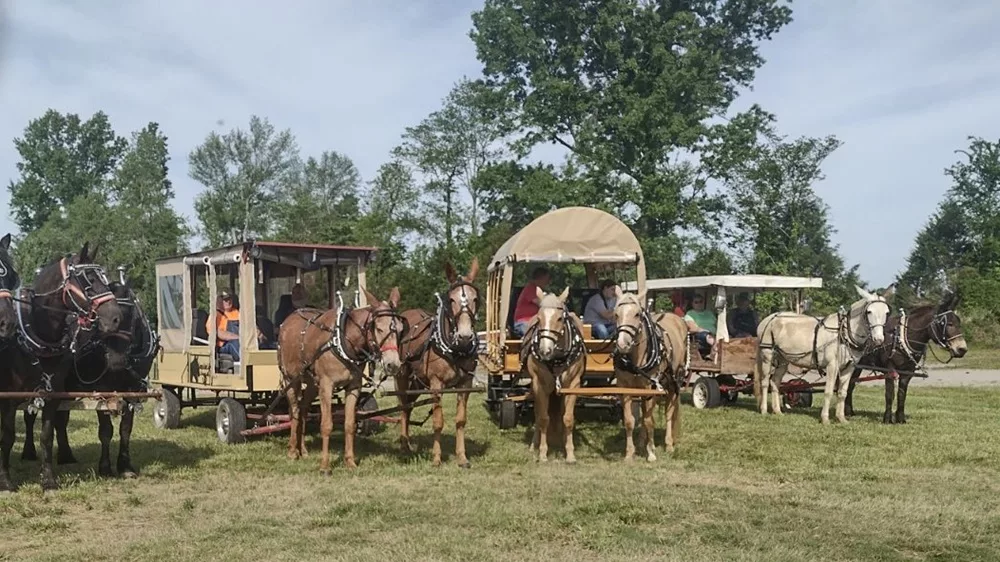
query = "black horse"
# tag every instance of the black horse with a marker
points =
(91, 372)
(9, 283)
(905, 348)
(68, 308)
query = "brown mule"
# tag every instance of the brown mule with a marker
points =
(553, 353)
(440, 351)
(329, 350)
(649, 350)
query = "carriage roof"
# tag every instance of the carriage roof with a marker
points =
(750, 282)
(306, 256)
(571, 235)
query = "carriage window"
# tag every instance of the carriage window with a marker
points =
(171, 301)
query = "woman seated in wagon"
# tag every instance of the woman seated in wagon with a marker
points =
(702, 324)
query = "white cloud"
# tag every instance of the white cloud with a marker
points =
(902, 83)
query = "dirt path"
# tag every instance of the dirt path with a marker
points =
(960, 377)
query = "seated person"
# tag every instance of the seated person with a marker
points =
(265, 331)
(743, 320)
(227, 325)
(702, 324)
(289, 304)
(677, 299)
(527, 302)
(600, 311)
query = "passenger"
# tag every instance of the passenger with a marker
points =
(227, 325)
(743, 320)
(600, 311)
(702, 324)
(289, 304)
(527, 302)
(265, 331)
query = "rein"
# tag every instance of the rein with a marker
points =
(654, 346)
(571, 345)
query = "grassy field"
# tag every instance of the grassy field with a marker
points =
(740, 487)
(976, 358)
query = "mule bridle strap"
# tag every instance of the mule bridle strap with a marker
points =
(444, 322)
(654, 348)
(571, 346)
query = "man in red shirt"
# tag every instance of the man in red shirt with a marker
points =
(527, 302)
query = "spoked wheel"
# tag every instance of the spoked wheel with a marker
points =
(230, 421)
(706, 393)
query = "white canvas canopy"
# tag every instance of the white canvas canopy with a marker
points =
(738, 282)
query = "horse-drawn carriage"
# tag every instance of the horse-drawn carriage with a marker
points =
(251, 286)
(606, 248)
(720, 376)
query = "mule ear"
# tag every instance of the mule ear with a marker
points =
(82, 256)
(449, 272)
(473, 270)
(372, 299)
(889, 293)
(394, 297)
(564, 295)
(93, 253)
(539, 293)
(5, 242)
(863, 293)
(642, 299)
(956, 301)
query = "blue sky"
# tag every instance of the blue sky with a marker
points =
(902, 83)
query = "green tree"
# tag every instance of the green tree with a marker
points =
(61, 158)
(447, 149)
(320, 205)
(242, 172)
(626, 87)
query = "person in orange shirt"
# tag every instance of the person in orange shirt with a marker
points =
(227, 325)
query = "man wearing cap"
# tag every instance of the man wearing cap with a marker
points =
(600, 311)
(227, 325)
(743, 320)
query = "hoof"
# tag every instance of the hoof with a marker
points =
(129, 474)
(351, 465)
(651, 458)
(571, 460)
(292, 455)
(29, 455)
(465, 464)
(325, 472)
(66, 459)
(105, 472)
(901, 419)
(49, 485)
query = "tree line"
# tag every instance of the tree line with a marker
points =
(639, 95)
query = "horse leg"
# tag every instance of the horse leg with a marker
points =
(326, 421)
(540, 443)
(629, 427)
(775, 387)
(105, 431)
(292, 392)
(8, 418)
(890, 395)
(849, 407)
(569, 421)
(124, 465)
(308, 395)
(402, 383)
(672, 419)
(832, 369)
(29, 453)
(461, 415)
(649, 425)
(438, 415)
(904, 385)
(351, 397)
(845, 380)
(759, 382)
(65, 454)
(47, 473)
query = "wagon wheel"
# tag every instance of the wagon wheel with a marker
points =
(230, 421)
(367, 403)
(167, 410)
(706, 393)
(798, 398)
(508, 414)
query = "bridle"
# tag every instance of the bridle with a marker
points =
(79, 290)
(654, 348)
(848, 334)
(449, 321)
(567, 340)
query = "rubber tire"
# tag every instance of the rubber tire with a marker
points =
(230, 420)
(730, 397)
(508, 415)
(805, 399)
(709, 389)
(167, 410)
(367, 403)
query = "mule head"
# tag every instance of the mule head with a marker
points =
(948, 327)
(628, 309)
(117, 346)
(385, 330)
(9, 282)
(88, 288)
(876, 314)
(552, 322)
(463, 304)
